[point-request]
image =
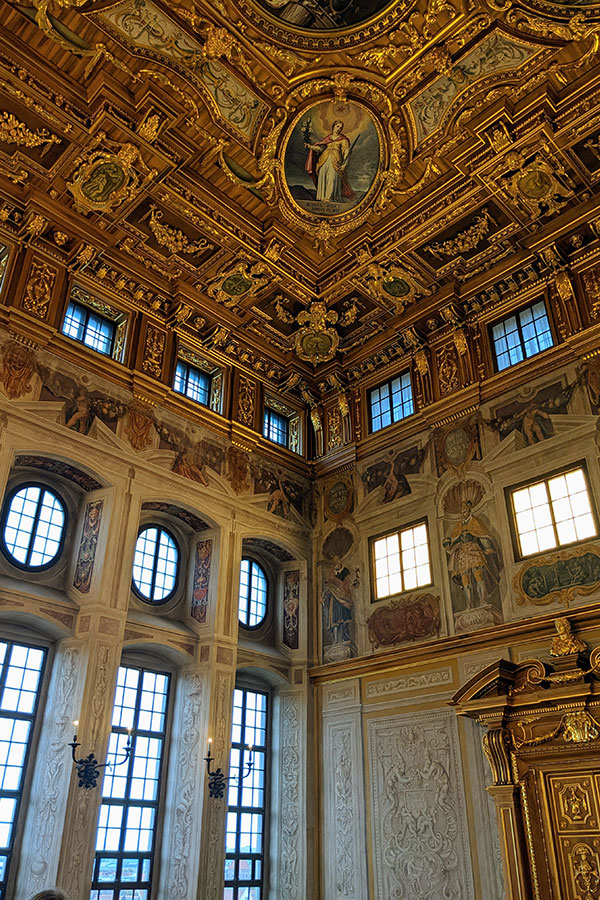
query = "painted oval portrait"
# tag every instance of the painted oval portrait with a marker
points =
(323, 15)
(332, 158)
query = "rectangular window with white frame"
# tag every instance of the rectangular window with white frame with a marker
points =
(400, 561)
(128, 819)
(95, 324)
(554, 511)
(281, 424)
(198, 379)
(21, 670)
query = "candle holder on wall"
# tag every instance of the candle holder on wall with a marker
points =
(216, 780)
(88, 767)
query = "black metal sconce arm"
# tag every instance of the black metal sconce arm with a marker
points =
(217, 781)
(88, 767)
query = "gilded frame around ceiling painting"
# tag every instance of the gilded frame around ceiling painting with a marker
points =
(323, 38)
(331, 161)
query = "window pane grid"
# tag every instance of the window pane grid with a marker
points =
(33, 528)
(391, 402)
(89, 328)
(21, 668)
(155, 564)
(275, 427)
(245, 823)
(252, 607)
(130, 792)
(192, 382)
(553, 512)
(521, 336)
(401, 561)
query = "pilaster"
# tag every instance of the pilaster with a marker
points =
(344, 833)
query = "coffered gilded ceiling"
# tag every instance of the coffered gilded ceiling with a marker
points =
(308, 188)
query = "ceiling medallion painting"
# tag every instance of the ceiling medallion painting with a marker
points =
(332, 156)
(332, 162)
(323, 15)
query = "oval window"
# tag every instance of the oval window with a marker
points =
(155, 564)
(33, 526)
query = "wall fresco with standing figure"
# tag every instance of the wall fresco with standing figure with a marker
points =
(201, 580)
(84, 567)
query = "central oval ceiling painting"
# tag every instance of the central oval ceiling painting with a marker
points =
(323, 15)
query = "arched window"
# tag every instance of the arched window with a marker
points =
(33, 526)
(155, 564)
(252, 607)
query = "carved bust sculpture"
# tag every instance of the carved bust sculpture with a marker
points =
(564, 642)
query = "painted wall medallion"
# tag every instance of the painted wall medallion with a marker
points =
(332, 159)
(323, 15)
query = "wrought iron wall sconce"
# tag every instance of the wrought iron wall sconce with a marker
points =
(88, 767)
(216, 779)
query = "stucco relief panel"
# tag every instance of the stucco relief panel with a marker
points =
(419, 837)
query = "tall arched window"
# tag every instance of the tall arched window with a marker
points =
(252, 607)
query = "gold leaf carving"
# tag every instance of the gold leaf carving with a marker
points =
(173, 238)
(13, 131)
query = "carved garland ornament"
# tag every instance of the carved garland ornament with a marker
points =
(13, 131)
(173, 238)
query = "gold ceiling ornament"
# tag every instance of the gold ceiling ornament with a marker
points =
(105, 178)
(149, 128)
(316, 341)
(35, 226)
(289, 61)
(267, 162)
(465, 240)
(13, 131)
(391, 284)
(409, 38)
(173, 238)
(542, 185)
(340, 86)
(394, 178)
(239, 281)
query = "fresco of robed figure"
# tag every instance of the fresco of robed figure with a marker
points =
(331, 158)
(323, 14)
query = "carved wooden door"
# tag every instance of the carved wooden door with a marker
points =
(561, 805)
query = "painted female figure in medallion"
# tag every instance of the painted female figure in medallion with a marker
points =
(327, 164)
(332, 158)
